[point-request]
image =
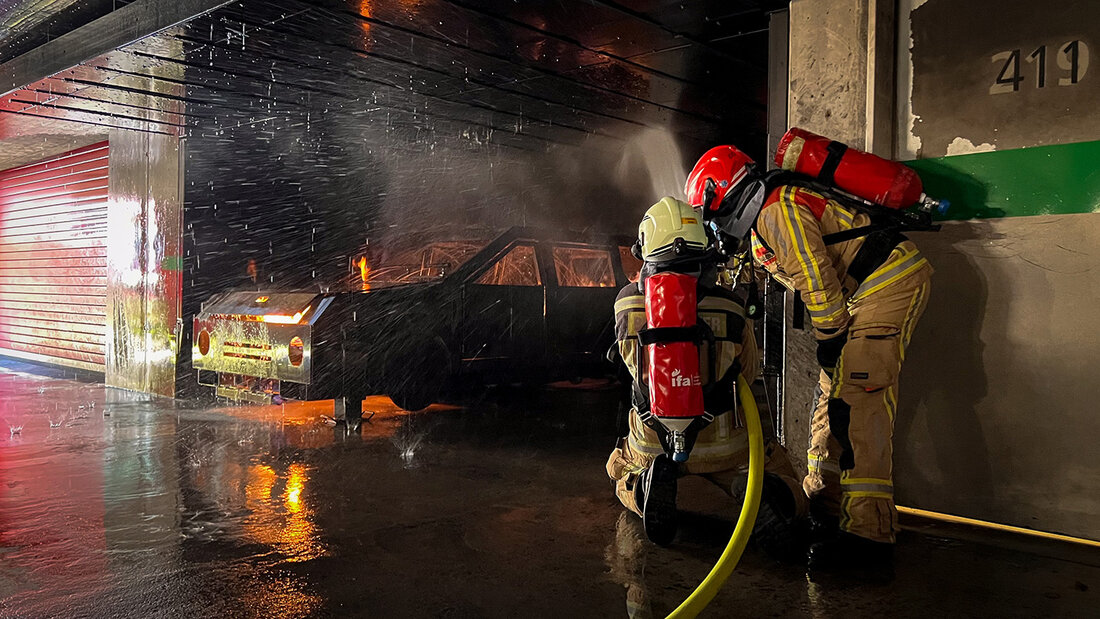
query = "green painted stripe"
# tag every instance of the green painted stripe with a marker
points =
(1043, 180)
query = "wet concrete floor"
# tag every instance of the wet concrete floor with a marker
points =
(114, 504)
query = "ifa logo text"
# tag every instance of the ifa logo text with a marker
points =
(679, 380)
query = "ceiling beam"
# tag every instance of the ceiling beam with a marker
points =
(115, 29)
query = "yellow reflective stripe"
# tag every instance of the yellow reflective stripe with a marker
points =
(866, 487)
(910, 324)
(843, 215)
(868, 494)
(865, 480)
(891, 401)
(630, 303)
(798, 235)
(817, 463)
(642, 443)
(890, 273)
(838, 378)
(828, 312)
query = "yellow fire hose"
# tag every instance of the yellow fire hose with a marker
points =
(705, 592)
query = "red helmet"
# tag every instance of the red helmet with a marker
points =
(721, 171)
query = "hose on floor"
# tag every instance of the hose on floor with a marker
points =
(705, 592)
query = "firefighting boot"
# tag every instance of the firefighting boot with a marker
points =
(776, 530)
(846, 551)
(656, 496)
(823, 525)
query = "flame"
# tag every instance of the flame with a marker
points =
(261, 299)
(283, 319)
(364, 272)
(366, 11)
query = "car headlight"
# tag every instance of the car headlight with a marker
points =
(296, 352)
(204, 342)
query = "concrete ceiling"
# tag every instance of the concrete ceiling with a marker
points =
(26, 24)
(522, 75)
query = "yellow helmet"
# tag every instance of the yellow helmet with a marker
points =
(671, 230)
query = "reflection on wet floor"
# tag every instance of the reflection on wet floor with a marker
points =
(114, 504)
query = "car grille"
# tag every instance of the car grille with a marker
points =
(247, 350)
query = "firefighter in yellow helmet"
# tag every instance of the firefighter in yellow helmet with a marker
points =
(645, 483)
(864, 295)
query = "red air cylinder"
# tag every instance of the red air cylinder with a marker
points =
(675, 389)
(861, 174)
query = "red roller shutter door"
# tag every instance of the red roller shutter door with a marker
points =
(53, 259)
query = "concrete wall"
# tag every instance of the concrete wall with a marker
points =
(996, 416)
(996, 411)
(143, 261)
(952, 57)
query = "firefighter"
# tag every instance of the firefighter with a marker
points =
(864, 297)
(644, 476)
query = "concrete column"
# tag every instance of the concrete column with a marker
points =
(143, 256)
(841, 70)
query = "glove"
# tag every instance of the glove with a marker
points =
(828, 351)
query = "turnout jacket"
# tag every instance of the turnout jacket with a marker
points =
(788, 242)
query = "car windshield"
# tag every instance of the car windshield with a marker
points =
(427, 263)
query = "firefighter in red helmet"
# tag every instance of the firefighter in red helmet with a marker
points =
(864, 297)
(645, 477)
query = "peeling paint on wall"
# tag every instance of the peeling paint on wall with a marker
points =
(907, 143)
(963, 146)
(997, 73)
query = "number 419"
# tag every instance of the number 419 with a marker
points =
(1073, 58)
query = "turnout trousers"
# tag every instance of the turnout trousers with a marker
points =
(850, 459)
(720, 455)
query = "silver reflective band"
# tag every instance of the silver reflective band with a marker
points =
(867, 488)
(895, 271)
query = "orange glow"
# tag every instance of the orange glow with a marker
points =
(366, 11)
(294, 484)
(283, 522)
(364, 272)
(283, 319)
(261, 299)
(296, 351)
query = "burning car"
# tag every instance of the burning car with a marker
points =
(528, 305)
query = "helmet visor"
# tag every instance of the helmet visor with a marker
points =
(743, 215)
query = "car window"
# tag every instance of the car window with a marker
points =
(393, 265)
(631, 265)
(584, 268)
(517, 268)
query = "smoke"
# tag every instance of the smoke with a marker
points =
(304, 202)
(601, 185)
